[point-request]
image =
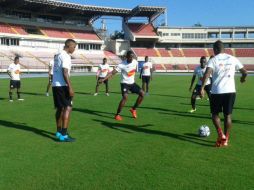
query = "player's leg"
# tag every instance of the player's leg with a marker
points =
(228, 104)
(208, 90)
(124, 89)
(97, 88)
(143, 83)
(66, 119)
(216, 108)
(136, 89)
(18, 91)
(193, 98)
(48, 86)
(66, 102)
(120, 106)
(107, 87)
(58, 117)
(11, 90)
(147, 84)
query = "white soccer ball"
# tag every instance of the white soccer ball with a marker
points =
(204, 131)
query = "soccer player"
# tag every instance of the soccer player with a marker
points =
(14, 73)
(101, 74)
(63, 92)
(146, 74)
(223, 93)
(199, 72)
(128, 69)
(51, 64)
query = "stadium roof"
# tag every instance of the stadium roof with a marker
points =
(88, 12)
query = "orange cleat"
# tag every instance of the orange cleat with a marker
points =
(134, 113)
(221, 141)
(118, 118)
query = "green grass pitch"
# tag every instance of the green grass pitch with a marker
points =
(159, 150)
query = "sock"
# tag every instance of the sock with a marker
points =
(64, 131)
(220, 132)
(18, 93)
(59, 129)
(10, 95)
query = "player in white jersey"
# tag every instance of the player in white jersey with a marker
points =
(62, 90)
(223, 93)
(128, 69)
(103, 70)
(14, 73)
(199, 72)
(50, 73)
(146, 74)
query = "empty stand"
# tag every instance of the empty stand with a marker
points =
(140, 29)
(56, 33)
(244, 52)
(194, 52)
(142, 52)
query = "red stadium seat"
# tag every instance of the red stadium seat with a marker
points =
(141, 29)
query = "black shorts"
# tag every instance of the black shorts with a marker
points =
(134, 88)
(146, 79)
(222, 103)
(61, 97)
(105, 82)
(197, 90)
(15, 84)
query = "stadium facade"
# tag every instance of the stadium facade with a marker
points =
(36, 29)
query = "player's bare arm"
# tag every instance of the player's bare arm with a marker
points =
(68, 82)
(208, 73)
(244, 75)
(109, 75)
(192, 82)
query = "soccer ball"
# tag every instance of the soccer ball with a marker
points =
(204, 131)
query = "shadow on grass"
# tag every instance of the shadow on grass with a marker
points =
(97, 113)
(34, 93)
(23, 126)
(84, 93)
(144, 129)
(194, 115)
(170, 96)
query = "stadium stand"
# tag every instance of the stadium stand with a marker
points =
(140, 29)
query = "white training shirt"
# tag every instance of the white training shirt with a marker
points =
(103, 69)
(14, 70)
(199, 72)
(147, 66)
(128, 71)
(62, 60)
(51, 65)
(224, 67)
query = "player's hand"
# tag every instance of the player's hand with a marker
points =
(71, 92)
(242, 80)
(101, 81)
(202, 93)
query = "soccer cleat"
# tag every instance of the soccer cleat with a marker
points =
(20, 99)
(192, 110)
(147, 94)
(95, 94)
(58, 134)
(221, 141)
(134, 113)
(47, 94)
(66, 138)
(10, 100)
(118, 118)
(107, 94)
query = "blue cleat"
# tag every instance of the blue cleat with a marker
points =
(58, 134)
(66, 138)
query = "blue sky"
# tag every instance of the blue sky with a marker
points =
(188, 12)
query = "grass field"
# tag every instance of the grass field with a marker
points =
(159, 150)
